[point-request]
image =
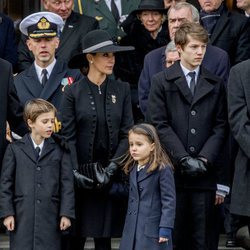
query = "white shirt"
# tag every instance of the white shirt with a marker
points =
(118, 4)
(188, 77)
(40, 145)
(49, 69)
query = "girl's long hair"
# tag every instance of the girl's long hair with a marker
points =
(158, 157)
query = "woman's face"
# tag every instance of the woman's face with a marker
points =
(151, 20)
(102, 62)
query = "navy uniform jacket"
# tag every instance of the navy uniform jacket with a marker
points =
(29, 87)
(36, 193)
(75, 29)
(190, 126)
(215, 60)
(151, 206)
(100, 11)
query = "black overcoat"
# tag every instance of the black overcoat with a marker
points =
(188, 125)
(98, 214)
(238, 109)
(10, 108)
(36, 193)
(151, 205)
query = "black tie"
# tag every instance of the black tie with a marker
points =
(44, 77)
(115, 11)
(192, 82)
(37, 149)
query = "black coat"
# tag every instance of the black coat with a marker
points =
(29, 87)
(75, 29)
(10, 108)
(98, 214)
(238, 109)
(151, 206)
(186, 125)
(36, 193)
(232, 33)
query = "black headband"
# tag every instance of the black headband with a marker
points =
(147, 130)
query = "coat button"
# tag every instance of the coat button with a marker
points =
(193, 112)
(192, 149)
(38, 201)
(38, 185)
(38, 168)
(193, 131)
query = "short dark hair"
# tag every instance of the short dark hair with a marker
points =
(36, 107)
(193, 30)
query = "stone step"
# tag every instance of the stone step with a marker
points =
(4, 244)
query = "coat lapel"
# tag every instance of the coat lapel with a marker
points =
(143, 174)
(204, 86)
(49, 145)
(32, 82)
(102, 7)
(28, 149)
(219, 27)
(68, 30)
(54, 81)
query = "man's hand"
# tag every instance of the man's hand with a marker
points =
(64, 223)
(9, 223)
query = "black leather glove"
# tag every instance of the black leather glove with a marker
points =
(82, 181)
(109, 171)
(192, 167)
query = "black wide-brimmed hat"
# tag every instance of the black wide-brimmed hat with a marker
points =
(154, 5)
(96, 41)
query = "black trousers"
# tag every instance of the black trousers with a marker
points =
(195, 220)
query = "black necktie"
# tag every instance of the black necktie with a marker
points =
(37, 149)
(115, 11)
(192, 82)
(44, 77)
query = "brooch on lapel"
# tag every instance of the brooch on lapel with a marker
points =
(98, 18)
(96, 1)
(67, 81)
(113, 98)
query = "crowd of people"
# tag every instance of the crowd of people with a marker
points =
(128, 119)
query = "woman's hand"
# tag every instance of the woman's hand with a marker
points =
(65, 223)
(9, 223)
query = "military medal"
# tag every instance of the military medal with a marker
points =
(113, 98)
(67, 81)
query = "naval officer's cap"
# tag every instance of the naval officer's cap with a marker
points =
(41, 25)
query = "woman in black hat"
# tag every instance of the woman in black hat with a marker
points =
(146, 29)
(96, 119)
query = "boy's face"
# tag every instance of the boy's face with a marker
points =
(192, 53)
(42, 127)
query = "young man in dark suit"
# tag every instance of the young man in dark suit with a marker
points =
(187, 104)
(75, 27)
(47, 76)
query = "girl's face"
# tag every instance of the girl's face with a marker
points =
(103, 62)
(151, 20)
(140, 148)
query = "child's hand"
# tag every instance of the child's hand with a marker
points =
(9, 223)
(65, 223)
(163, 240)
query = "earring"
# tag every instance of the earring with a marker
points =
(91, 62)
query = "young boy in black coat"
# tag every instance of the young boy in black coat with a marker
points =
(37, 186)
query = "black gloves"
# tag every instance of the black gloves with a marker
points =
(93, 175)
(82, 181)
(193, 167)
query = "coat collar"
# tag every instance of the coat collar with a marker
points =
(28, 149)
(220, 25)
(205, 83)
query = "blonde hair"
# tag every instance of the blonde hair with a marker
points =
(158, 158)
(36, 107)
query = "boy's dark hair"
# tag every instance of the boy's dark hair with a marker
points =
(194, 30)
(36, 107)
